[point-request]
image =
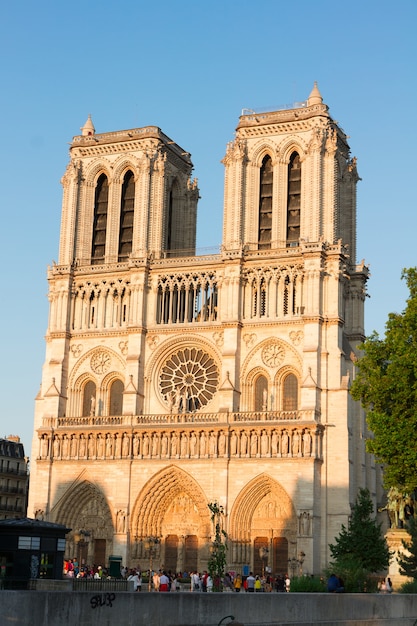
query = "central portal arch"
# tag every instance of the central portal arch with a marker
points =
(172, 509)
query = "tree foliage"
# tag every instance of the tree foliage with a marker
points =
(361, 543)
(408, 560)
(218, 549)
(386, 385)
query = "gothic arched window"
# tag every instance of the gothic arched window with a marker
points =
(290, 393)
(127, 207)
(101, 199)
(116, 398)
(261, 394)
(294, 200)
(265, 203)
(89, 399)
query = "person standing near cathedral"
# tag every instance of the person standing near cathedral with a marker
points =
(237, 583)
(156, 581)
(250, 583)
(195, 581)
(163, 582)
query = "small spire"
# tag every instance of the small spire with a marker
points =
(315, 96)
(88, 128)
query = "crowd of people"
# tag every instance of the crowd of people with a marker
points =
(168, 581)
(163, 581)
(72, 569)
(385, 585)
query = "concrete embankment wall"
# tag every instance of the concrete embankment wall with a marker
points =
(57, 608)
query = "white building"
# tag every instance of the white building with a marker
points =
(173, 380)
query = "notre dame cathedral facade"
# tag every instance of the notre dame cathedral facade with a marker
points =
(173, 380)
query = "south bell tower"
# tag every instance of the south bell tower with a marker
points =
(173, 380)
(289, 180)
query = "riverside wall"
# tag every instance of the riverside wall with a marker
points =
(59, 608)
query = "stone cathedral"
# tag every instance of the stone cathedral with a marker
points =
(173, 380)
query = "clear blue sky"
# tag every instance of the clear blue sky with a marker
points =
(190, 68)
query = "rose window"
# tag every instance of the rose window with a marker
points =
(188, 380)
(273, 354)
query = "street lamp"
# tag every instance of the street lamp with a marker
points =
(292, 564)
(82, 538)
(295, 563)
(150, 544)
(301, 557)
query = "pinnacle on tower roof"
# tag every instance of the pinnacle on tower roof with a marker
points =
(88, 128)
(315, 96)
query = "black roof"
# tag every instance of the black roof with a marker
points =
(27, 522)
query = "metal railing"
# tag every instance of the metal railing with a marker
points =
(94, 584)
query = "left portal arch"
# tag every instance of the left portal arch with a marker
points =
(85, 510)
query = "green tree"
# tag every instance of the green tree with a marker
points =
(361, 544)
(218, 549)
(408, 562)
(386, 384)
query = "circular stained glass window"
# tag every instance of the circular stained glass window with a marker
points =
(188, 380)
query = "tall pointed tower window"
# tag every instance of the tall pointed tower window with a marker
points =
(265, 203)
(126, 217)
(100, 220)
(294, 200)
(169, 221)
(175, 223)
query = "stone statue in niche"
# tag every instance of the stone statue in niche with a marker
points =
(254, 444)
(274, 443)
(193, 444)
(120, 522)
(264, 400)
(164, 445)
(222, 443)
(233, 444)
(243, 444)
(174, 445)
(295, 443)
(109, 446)
(305, 523)
(56, 446)
(135, 446)
(307, 443)
(44, 447)
(184, 442)
(284, 443)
